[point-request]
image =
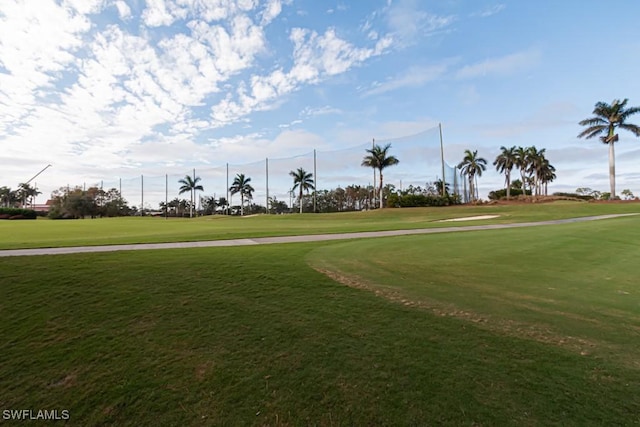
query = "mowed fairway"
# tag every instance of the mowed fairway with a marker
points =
(109, 231)
(534, 326)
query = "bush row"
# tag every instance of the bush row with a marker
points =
(421, 200)
(17, 213)
(502, 193)
(575, 196)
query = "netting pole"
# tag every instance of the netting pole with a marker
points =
(315, 183)
(228, 202)
(166, 196)
(142, 195)
(266, 170)
(444, 184)
(464, 182)
(120, 187)
(193, 194)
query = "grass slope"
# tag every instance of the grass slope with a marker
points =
(254, 336)
(107, 231)
(572, 285)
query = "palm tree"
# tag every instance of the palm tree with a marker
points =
(27, 194)
(504, 163)
(7, 197)
(241, 185)
(605, 121)
(441, 187)
(547, 173)
(190, 184)
(522, 163)
(535, 164)
(472, 166)
(378, 158)
(303, 181)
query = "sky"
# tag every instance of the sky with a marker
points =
(115, 89)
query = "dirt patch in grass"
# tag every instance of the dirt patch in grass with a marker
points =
(540, 333)
(203, 369)
(67, 382)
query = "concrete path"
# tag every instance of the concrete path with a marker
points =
(290, 239)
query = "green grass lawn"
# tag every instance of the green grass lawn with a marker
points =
(511, 327)
(107, 231)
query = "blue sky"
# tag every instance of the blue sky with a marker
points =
(117, 88)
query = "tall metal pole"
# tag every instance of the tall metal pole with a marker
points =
(315, 183)
(444, 184)
(166, 196)
(36, 175)
(266, 167)
(120, 187)
(142, 195)
(193, 194)
(228, 203)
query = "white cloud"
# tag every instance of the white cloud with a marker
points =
(34, 58)
(502, 66)
(124, 11)
(321, 111)
(157, 14)
(271, 10)
(414, 77)
(408, 21)
(316, 57)
(490, 11)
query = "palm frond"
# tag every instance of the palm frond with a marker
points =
(635, 129)
(592, 131)
(593, 121)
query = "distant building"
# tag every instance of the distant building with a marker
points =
(42, 207)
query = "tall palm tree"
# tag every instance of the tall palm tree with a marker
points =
(190, 184)
(27, 194)
(608, 117)
(379, 158)
(7, 197)
(303, 181)
(547, 174)
(504, 163)
(535, 164)
(522, 163)
(241, 185)
(472, 166)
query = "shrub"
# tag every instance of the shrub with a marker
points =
(502, 193)
(421, 200)
(13, 213)
(574, 196)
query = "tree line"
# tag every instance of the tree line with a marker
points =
(534, 168)
(24, 196)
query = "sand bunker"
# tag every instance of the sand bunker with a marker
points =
(470, 218)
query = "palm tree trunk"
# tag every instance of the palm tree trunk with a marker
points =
(300, 197)
(241, 204)
(508, 173)
(612, 169)
(472, 191)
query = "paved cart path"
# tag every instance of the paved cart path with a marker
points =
(291, 239)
